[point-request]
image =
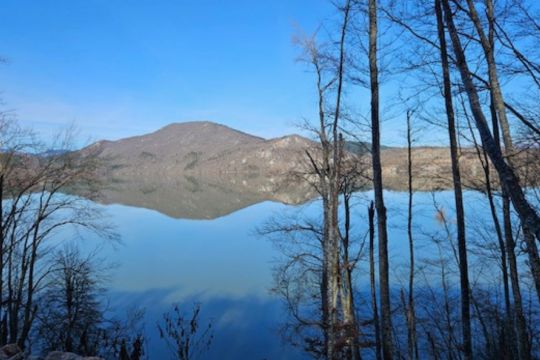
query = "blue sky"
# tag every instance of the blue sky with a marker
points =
(120, 68)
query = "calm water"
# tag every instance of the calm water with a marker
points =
(224, 265)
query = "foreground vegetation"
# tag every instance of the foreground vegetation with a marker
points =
(455, 65)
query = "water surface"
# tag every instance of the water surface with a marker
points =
(225, 266)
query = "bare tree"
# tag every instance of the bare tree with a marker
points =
(509, 179)
(71, 307)
(183, 335)
(33, 181)
(458, 194)
(384, 281)
(372, 282)
(412, 343)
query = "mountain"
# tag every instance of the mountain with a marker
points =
(177, 143)
(202, 147)
(216, 154)
(203, 170)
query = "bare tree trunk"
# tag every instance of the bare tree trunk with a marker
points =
(349, 312)
(498, 103)
(522, 337)
(29, 307)
(384, 285)
(10, 300)
(518, 317)
(458, 194)
(500, 113)
(495, 88)
(411, 314)
(494, 215)
(333, 268)
(509, 180)
(508, 340)
(371, 215)
(2, 254)
(333, 283)
(534, 259)
(324, 190)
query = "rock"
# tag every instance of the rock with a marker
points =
(11, 352)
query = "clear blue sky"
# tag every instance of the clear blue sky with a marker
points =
(120, 68)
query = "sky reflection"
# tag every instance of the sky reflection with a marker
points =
(227, 268)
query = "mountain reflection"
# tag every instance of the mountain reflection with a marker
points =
(197, 197)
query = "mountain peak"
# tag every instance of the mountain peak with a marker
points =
(203, 126)
(179, 141)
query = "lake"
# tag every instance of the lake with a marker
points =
(226, 266)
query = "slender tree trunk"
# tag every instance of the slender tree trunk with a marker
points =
(323, 174)
(493, 209)
(411, 314)
(334, 236)
(509, 180)
(10, 300)
(384, 285)
(29, 307)
(518, 317)
(378, 347)
(495, 88)
(2, 250)
(501, 119)
(534, 259)
(333, 283)
(458, 194)
(508, 340)
(349, 311)
(522, 337)
(499, 105)
(324, 278)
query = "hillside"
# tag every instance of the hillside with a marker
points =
(202, 170)
(200, 148)
(177, 169)
(218, 154)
